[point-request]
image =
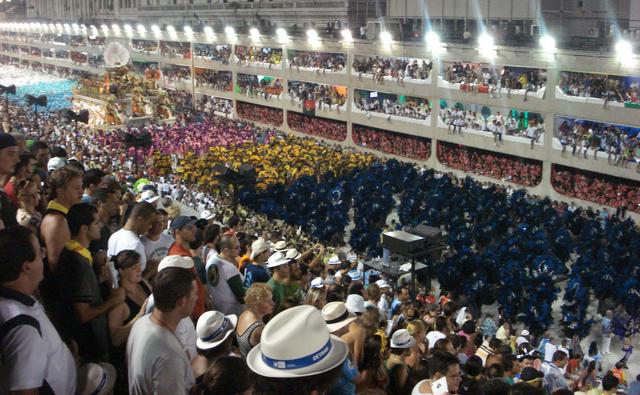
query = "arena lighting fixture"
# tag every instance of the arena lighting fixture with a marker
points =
(59, 26)
(386, 37)
(171, 29)
(548, 43)
(281, 33)
(75, 27)
(188, 30)
(116, 28)
(208, 30)
(230, 31)
(156, 30)
(346, 35)
(312, 35)
(432, 39)
(254, 33)
(52, 27)
(104, 28)
(486, 41)
(67, 28)
(624, 49)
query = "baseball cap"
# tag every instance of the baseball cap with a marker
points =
(181, 221)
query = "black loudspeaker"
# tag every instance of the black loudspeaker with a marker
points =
(431, 235)
(403, 243)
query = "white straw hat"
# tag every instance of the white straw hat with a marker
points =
(259, 246)
(292, 253)
(317, 282)
(334, 260)
(96, 379)
(277, 259)
(213, 328)
(296, 343)
(382, 284)
(336, 315)
(402, 339)
(355, 304)
(280, 246)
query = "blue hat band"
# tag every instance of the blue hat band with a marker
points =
(222, 329)
(404, 343)
(298, 363)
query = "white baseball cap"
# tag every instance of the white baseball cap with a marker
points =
(175, 261)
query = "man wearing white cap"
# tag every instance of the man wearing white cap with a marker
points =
(383, 303)
(523, 338)
(254, 271)
(279, 266)
(156, 360)
(296, 354)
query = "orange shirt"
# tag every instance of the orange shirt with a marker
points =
(177, 249)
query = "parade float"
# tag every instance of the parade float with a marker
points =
(122, 95)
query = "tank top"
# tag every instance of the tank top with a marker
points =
(244, 340)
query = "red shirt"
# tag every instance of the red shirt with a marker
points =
(177, 249)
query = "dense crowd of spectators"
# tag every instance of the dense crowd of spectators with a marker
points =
(597, 188)
(621, 144)
(316, 126)
(266, 87)
(175, 49)
(272, 56)
(412, 107)
(394, 143)
(397, 68)
(323, 95)
(317, 60)
(509, 168)
(217, 80)
(145, 46)
(258, 113)
(174, 73)
(512, 123)
(218, 53)
(225, 303)
(211, 104)
(610, 88)
(495, 80)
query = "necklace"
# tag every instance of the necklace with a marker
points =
(164, 325)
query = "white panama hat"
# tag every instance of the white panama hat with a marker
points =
(336, 315)
(296, 343)
(402, 339)
(213, 328)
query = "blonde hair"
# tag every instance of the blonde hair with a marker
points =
(313, 296)
(416, 326)
(256, 293)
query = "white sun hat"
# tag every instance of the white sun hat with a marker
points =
(277, 259)
(317, 282)
(334, 260)
(296, 343)
(336, 315)
(292, 253)
(382, 284)
(96, 379)
(213, 328)
(182, 262)
(280, 246)
(355, 304)
(402, 339)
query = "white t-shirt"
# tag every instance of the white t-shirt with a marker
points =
(219, 272)
(156, 361)
(185, 331)
(155, 250)
(125, 239)
(433, 337)
(31, 356)
(549, 349)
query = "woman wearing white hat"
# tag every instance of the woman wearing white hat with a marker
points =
(316, 295)
(214, 331)
(403, 356)
(296, 354)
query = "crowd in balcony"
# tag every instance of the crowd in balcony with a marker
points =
(262, 114)
(145, 46)
(324, 61)
(324, 95)
(174, 73)
(96, 60)
(390, 104)
(247, 55)
(175, 49)
(316, 126)
(495, 80)
(621, 144)
(610, 88)
(78, 58)
(622, 194)
(218, 53)
(503, 167)
(394, 143)
(259, 86)
(211, 104)
(217, 80)
(397, 68)
(511, 123)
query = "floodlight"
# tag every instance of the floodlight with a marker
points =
(386, 37)
(624, 49)
(187, 30)
(115, 28)
(548, 43)
(486, 41)
(254, 33)
(141, 29)
(208, 31)
(281, 33)
(432, 39)
(346, 35)
(230, 31)
(312, 35)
